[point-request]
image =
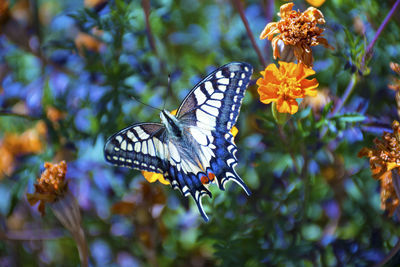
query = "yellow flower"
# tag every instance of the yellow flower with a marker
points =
(316, 3)
(51, 185)
(298, 30)
(152, 177)
(285, 85)
(382, 159)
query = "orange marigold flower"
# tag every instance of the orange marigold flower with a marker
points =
(298, 30)
(316, 3)
(285, 85)
(152, 177)
(382, 159)
(51, 185)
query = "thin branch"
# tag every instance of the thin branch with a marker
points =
(239, 7)
(29, 235)
(380, 30)
(393, 252)
(346, 94)
(269, 14)
(146, 10)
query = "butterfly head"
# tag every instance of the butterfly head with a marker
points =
(171, 123)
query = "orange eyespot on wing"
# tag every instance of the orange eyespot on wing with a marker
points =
(204, 180)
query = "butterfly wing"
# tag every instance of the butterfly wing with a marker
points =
(140, 146)
(209, 112)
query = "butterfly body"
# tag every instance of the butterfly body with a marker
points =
(195, 147)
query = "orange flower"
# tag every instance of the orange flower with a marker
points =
(152, 177)
(84, 41)
(12, 145)
(382, 159)
(28, 142)
(54, 114)
(316, 3)
(298, 30)
(6, 161)
(285, 85)
(50, 186)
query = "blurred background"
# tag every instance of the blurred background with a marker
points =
(68, 70)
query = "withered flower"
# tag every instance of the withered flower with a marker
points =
(396, 81)
(51, 186)
(382, 159)
(298, 30)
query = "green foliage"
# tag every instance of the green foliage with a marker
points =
(313, 200)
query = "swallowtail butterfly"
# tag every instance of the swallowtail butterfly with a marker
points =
(195, 147)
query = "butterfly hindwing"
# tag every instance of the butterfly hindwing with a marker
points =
(210, 110)
(140, 146)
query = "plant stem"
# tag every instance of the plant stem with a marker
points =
(393, 252)
(380, 30)
(283, 137)
(269, 14)
(239, 7)
(346, 94)
(146, 10)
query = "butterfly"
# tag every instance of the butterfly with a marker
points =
(195, 147)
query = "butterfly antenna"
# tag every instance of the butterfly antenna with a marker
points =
(168, 90)
(147, 105)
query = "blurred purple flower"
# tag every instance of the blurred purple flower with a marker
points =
(101, 252)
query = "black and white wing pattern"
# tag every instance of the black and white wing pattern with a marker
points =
(196, 147)
(139, 146)
(209, 112)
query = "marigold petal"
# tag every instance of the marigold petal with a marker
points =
(267, 32)
(275, 47)
(316, 3)
(314, 15)
(284, 9)
(324, 42)
(309, 86)
(304, 55)
(152, 177)
(287, 106)
(303, 72)
(268, 94)
(287, 68)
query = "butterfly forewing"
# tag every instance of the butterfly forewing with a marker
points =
(140, 146)
(216, 100)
